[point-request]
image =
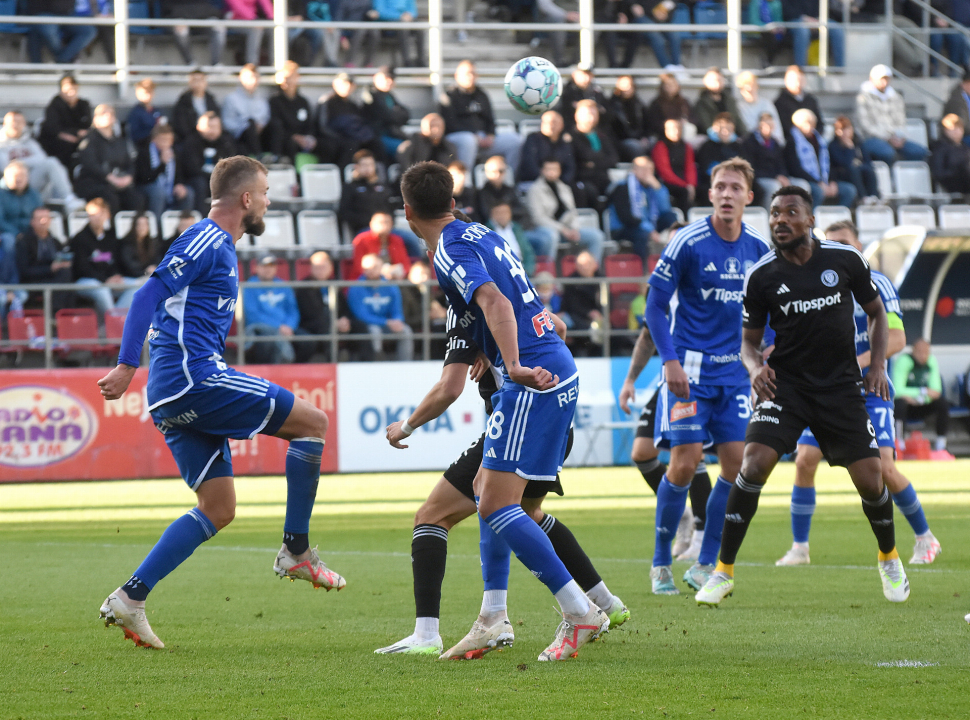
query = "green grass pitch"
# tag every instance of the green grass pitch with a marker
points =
(806, 642)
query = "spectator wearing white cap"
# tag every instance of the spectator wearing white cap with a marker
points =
(881, 117)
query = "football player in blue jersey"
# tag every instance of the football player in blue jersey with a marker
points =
(706, 391)
(880, 412)
(527, 432)
(185, 309)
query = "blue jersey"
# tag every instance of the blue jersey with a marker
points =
(470, 255)
(707, 274)
(189, 329)
(890, 299)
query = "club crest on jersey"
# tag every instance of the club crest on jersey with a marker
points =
(683, 410)
(732, 269)
(830, 278)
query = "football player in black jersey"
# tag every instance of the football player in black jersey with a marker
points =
(812, 378)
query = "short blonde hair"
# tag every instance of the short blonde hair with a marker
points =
(232, 174)
(951, 121)
(738, 165)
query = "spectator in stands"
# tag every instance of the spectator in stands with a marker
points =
(194, 10)
(305, 42)
(144, 116)
(616, 12)
(17, 204)
(675, 165)
(429, 144)
(553, 210)
(358, 11)
(413, 304)
(545, 285)
(794, 97)
(549, 12)
(751, 107)
(716, 98)
(291, 129)
(807, 157)
(138, 250)
(881, 112)
(500, 220)
(65, 42)
(404, 11)
(581, 309)
(160, 174)
(469, 122)
(806, 11)
(581, 86)
(186, 220)
(342, 116)
(314, 305)
(96, 261)
(722, 144)
(767, 157)
(365, 195)
(665, 45)
(767, 12)
(379, 307)
(595, 155)
(629, 114)
(919, 394)
(640, 208)
(192, 104)
(959, 103)
(42, 259)
(272, 311)
(105, 169)
(950, 161)
(849, 164)
(956, 43)
(245, 113)
(250, 10)
(206, 146)
(381, 241)
(496, 191)
(382, 110)
(47, 175)
(466, 199)
(550, 142)
(670, 104)
(67, 119)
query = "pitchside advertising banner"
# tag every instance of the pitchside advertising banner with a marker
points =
(54, 425)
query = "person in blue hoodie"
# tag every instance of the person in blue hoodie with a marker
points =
(273, 311)
(640, 208)
(380, 308)
(17, 204)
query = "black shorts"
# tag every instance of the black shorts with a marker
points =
(462, 472)
(647, 418)
(836, 416)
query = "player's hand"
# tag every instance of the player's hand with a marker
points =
(479, 368)
(114, 384)
(395, 435)
(876, 382)
(536, 378)
(763, 383)
(677, 379)
(628, 394)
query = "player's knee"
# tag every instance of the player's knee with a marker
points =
(220, 515)
(681, 471)
(319, 423)
(643, 452)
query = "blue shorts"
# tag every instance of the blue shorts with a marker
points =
(528, 430)
(230, 404)
(715, 413)
(883, 422)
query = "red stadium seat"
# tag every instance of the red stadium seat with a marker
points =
(23, 326)
(652, 261)
(282, 268)
(78, 329)
(620, 318)
(623, 265)
(114, 325)
(302, 268)
(567, 266)
(545, 264)
(346, 269)
(230, 339)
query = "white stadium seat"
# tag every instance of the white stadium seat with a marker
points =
(76, 222)
(757, 217)
(318, 229)
(954, 217)
(57, 227)
(321, 183)
(283, 185)
(921, 215)
(170, 221)
(916, 132)
(696, 213)
(279, 233)
(529, 126)
(825, 215)
(124, 219)
(873, 221)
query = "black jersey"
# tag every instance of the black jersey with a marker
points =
(810, 309)
(460, 348)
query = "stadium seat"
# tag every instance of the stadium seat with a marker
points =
(279, 233)
(884, 179)
(825, 215)
(478, 174)
(696, 213)
(9, 8)
(567, 266)
(911, 179)
(504, 126)
(916, 132)
(230, 338)
(623, 265)
(349, 172)
(679, 213)
(921, 215)
(710, 13)
(412, 127)
(124, 219)
(529, 126)
(588, 218)
(346, 269)
(57, 227)
(954, 217)
(652, 261)
(301, 268)
(757, 217)
(545, 264)
(76, 222)
(170, 221)
(283, 185)
(282, 268)
(321, 183)
(318, 229)
(24, 327)
(617, 175)
(873, 221)
(620, 318)
(77, 328)
(114, 325)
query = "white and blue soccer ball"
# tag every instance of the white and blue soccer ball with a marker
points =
(533, 85)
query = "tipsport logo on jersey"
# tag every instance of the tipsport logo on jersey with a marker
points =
(40, 426)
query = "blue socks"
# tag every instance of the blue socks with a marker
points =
(714, 526)
(909, 505)
(496, 557)
(671, 501)
(530, 545)
(179, 540)
(802, 509)
(302, 476)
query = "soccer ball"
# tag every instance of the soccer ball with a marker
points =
(533, 85)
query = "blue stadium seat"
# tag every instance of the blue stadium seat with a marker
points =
(9, 7)
(145, 9)
(710, 13)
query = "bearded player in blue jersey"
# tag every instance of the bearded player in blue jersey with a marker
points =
(198, 402)
(706, 390)
(527, 432)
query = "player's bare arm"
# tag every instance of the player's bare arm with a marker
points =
(500, 318)
(439, 398)
(761, 374)
(115, 383)
(875, 380)
(642, 352)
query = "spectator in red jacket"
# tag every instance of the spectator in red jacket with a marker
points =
(388, 246)
(676, 167)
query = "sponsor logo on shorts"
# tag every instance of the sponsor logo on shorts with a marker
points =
(830, 278)
(758, 417)
(722, 359)
(184, 419)
(769, 405)
(804, 306)
(683, 410)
